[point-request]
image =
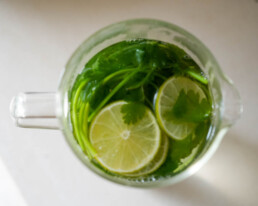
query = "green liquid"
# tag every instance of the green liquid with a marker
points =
(133, 71)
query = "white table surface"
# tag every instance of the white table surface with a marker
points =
(37, 37)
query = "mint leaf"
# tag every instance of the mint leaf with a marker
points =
(133, 112)
(189, 108)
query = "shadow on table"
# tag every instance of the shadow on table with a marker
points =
(234, 154)
(194, 191)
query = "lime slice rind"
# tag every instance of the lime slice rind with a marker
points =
(158, 160)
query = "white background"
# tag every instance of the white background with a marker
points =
(37, 37)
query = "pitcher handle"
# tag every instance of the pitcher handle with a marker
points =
(35, 110)
(232, 106)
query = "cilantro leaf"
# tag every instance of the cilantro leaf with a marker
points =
(189, 108)
(133, 112)
(134, 95)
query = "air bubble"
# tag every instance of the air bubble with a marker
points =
(187, 57)
(153, 179)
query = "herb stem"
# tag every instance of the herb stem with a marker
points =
(107, 98)
(160, 76)
(198, 77)
(81, 114)
(74, 112)
(141, 82)
(148, 101)
(89, 149)
(154, 85)
(116, 73)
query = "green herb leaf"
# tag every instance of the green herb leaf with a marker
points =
(189, 108)
(133, 112)
(135, 95)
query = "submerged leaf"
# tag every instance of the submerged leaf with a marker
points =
(189, 108)
(133, 112)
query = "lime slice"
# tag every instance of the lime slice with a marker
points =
(166, 99)
(158, 160)
(121, 147)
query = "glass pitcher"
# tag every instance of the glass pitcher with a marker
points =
(51, 110)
